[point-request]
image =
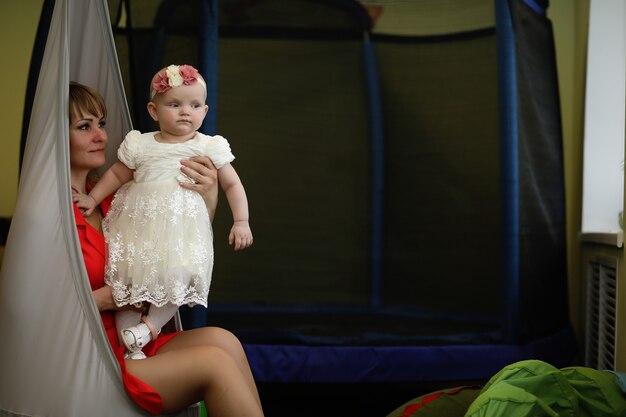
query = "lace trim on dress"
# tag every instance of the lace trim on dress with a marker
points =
(159, 248)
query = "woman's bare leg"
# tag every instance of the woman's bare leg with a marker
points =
(217, 337)
(185, 376)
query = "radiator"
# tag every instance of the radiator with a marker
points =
(601, 314)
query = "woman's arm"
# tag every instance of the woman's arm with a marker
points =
(203, 172)
(104, 298)
(104, 301)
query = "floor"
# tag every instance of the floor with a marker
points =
(341, 400)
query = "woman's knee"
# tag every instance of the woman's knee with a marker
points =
(212, 333)
(211, 354)
(205, 363)
(216, 336)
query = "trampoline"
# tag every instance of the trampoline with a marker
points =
(405, 184)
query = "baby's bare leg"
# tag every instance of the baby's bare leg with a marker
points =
(185, 376)
(217, 337)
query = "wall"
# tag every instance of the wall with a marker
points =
(569, 18)
(17, 35)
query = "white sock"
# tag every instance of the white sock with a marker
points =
(159, 316)
(126, 318)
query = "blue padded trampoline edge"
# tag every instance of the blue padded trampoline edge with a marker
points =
(386, 364)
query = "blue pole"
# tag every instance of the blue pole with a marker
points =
(208, 61)
(509, 170)
(377, 171)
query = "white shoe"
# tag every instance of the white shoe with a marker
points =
(136, 337)
(134, 355)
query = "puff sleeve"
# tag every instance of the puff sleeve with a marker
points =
(219, 151)
(127, 152)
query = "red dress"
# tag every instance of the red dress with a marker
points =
(94, 254)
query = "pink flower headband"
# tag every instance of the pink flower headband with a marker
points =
(174, 76)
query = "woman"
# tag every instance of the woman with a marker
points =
(182, 368)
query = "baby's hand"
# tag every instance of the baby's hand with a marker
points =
(240, 235)
(84, 202)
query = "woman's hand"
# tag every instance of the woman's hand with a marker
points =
(104, 300)
(203, 172)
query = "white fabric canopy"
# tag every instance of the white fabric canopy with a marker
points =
(55, 359)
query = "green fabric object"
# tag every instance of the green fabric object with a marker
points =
(535, 388)
(599, 392)
(621, 380)
(510, 401)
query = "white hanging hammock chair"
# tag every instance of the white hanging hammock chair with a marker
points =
(55, 359)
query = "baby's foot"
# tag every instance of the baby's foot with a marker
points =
(136, 337)
(134, 355)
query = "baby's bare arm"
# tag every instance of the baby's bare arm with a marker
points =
(240, 234)
(84, 202)
(112, 179)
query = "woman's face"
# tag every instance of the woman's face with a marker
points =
(88, 140)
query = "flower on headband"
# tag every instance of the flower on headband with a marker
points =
(174, 76)
(188, 73)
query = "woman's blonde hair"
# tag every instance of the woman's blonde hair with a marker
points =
(84, 98)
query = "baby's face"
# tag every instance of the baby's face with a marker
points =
(180, 111)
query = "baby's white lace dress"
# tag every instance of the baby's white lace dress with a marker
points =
(158, 234)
